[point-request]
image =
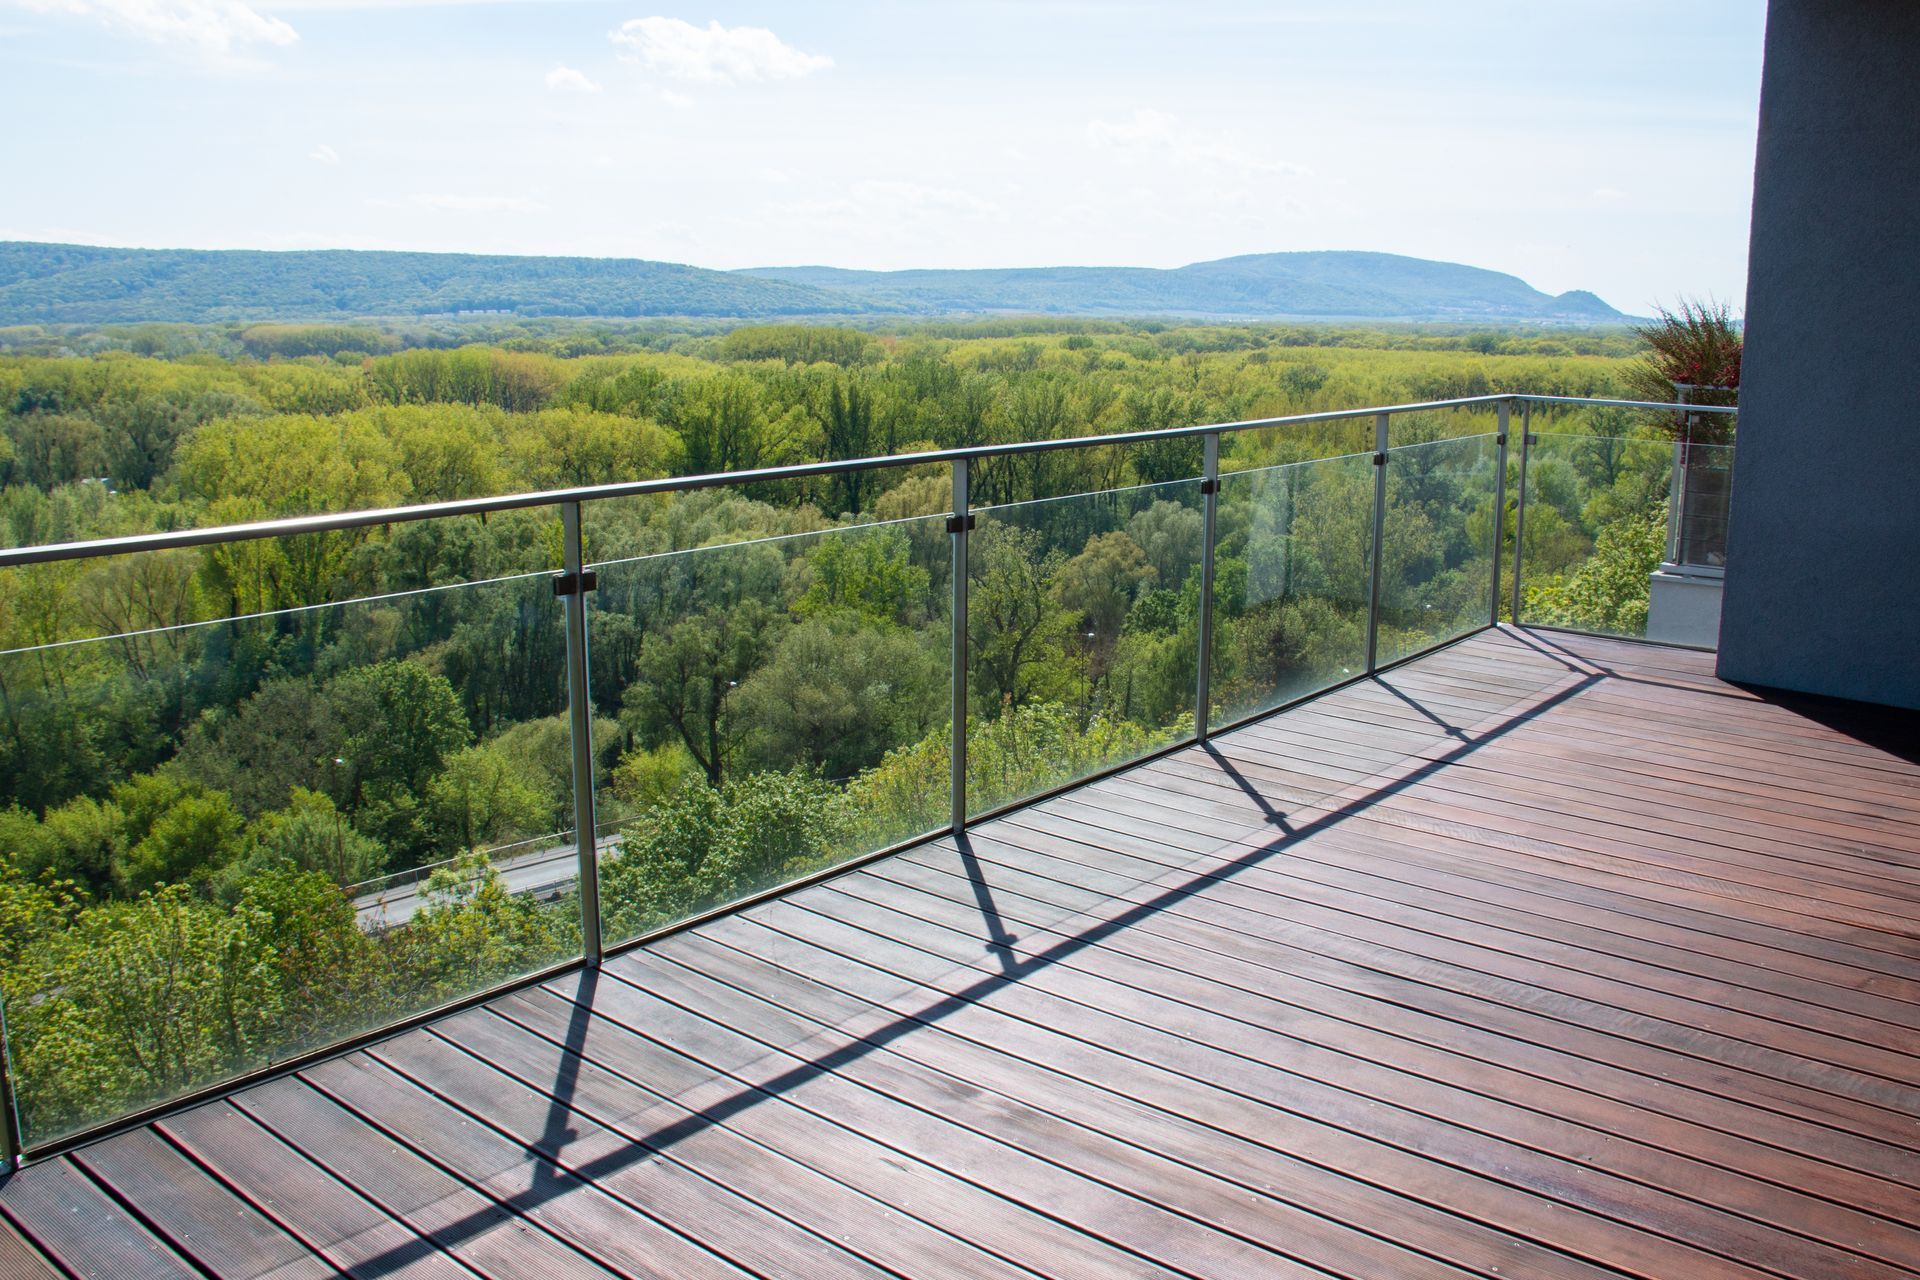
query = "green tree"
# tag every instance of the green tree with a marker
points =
(708, 846)
(688, 677)
(1017, 630)
(482, 797)
(836, 695)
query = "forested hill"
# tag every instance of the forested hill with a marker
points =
(80, 284)
(76, 284)
(1258, 286)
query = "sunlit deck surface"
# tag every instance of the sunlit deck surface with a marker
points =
(1537, 957)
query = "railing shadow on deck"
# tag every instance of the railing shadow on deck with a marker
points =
(546, 1182)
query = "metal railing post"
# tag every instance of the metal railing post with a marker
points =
(1379, 532)
(1520, 504)
(573, 585)
(10, 1142)
(959, 524)
(1677, 481)
(1210, 508)
(1499, 511)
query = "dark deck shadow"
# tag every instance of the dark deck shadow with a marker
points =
(1451, 730)
(559, 1128)
(1013, 969)
(999, 940)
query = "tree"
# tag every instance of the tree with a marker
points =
(312, 835)
(1610, 591)
(687, 679)
(1101, 582)
(868, 573)
(1017, 630)
(836, 695)
(848, 431)
(709, 846)
(482, 797)
(1697, 345)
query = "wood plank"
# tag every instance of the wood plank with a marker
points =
(1209, 952)
(792, 1192)
(199, 1217)
(1604, 1036)
(724, 1221)
(865, 1159)
(1327, 1126)
(507, 1181)
(19, 1260)
(760, 1043)
(1451, 884)
(841, 992)
(57, 1207)
(1465, 1127)
(349, 1231)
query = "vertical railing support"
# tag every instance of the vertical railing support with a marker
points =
(1499, 511)
(1677, 480)
(959, 524)
(1380, 423)
(1210, 512)
(1520, 503)
(10, 1142)
(573, 585)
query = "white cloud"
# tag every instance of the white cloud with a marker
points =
(214, 27)
(568, 79)
(324, 154)
(714, 54)
(678, 101)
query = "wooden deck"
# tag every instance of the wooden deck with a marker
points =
(1539, 957)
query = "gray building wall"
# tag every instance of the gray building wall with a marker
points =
(1823, 554)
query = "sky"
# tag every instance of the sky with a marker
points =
(1602, 146)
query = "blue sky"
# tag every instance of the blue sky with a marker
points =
(1606, 146)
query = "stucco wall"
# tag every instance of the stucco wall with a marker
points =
(1823, 558)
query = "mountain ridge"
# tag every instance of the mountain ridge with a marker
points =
(43, 283)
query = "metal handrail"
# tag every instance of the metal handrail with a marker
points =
(575, 580)
(330, 523)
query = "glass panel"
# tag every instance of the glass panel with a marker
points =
(1083, 617)
(1700, 533)
(1596, 530)
(782, 698)
(1292, 577)
(1436, 557)
(229, 840)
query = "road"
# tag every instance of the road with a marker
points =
(543, 872)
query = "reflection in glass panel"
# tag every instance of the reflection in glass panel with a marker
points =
(229, 840)
(1436, 544)
(1291, 582)
(782, 700)
(1083, 634)
(1597, 527)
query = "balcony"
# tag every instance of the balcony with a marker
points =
(1438, 945)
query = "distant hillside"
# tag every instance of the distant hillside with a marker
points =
(76, 284)
(1344, 284)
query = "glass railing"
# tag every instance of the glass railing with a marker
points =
(267, 790)
(244, 839)
(1612, 520)
(1293, 573)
